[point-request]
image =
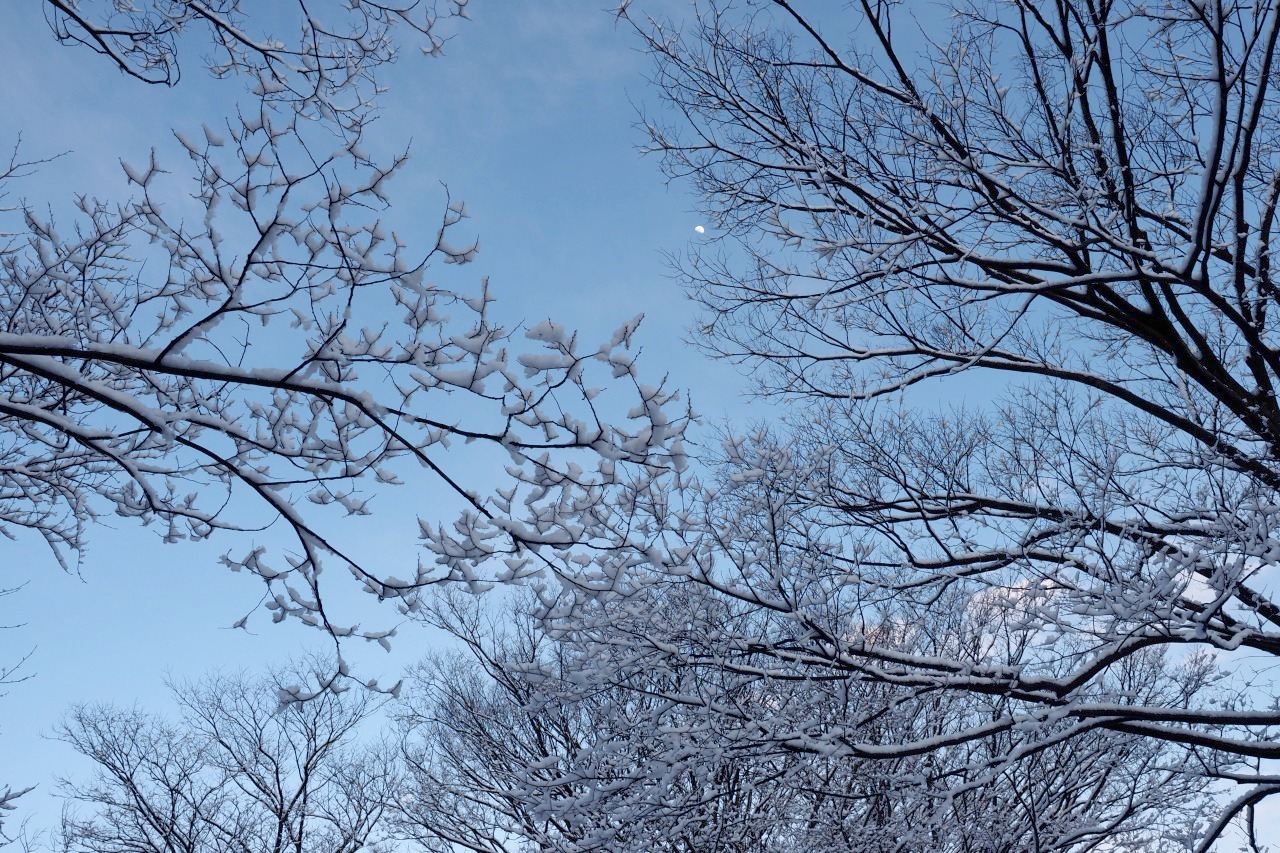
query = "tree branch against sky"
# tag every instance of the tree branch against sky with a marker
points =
(328, 68)
(1044, 619)
(137, 378)
(1074, 201)
(263, 346)
(532, 739)
(233, 773)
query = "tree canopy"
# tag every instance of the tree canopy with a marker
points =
(999, 578)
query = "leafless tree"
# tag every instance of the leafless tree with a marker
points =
(537, 740)
(136, 381)
(138, 375)
(239, 771)
(10, 673)
(329, 67)
(136, 391)
(1066, 211)
(515, 745)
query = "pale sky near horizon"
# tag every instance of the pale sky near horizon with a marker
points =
(528, 117)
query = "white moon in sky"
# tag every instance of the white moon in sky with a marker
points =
(700, 229)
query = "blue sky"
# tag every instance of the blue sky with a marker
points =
(528, 118)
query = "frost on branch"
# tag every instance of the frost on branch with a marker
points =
(327, 67)
(1072, 206)
(645, 732)
(280, 352)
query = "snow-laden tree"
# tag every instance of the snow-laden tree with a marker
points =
(1064, 210)
(278, 348)
(245, 339)
(237, 772)
(321, 58)
(269, 341)
(535, 740)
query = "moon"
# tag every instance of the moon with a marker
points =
(700, 229)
